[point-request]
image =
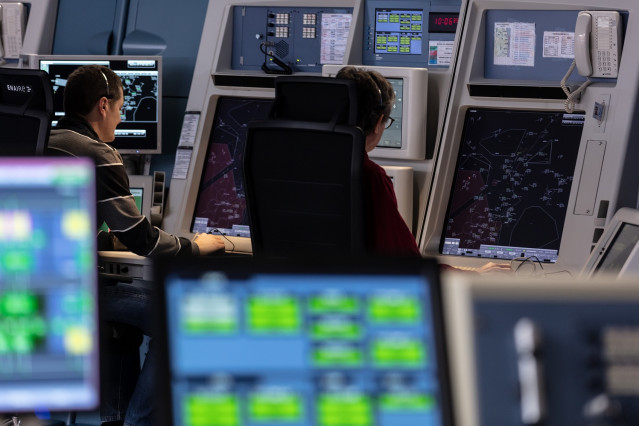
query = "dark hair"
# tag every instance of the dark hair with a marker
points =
(86, 85)
(375, 96)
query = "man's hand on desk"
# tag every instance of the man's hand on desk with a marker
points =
(495, 267)
(209, 243)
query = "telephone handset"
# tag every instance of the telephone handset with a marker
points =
(598, 43)
(1, 48)
(13, 22)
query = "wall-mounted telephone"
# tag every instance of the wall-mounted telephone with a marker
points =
(1, 48)
(13, 21)
(598, 43)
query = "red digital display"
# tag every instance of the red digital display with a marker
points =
(439, 22)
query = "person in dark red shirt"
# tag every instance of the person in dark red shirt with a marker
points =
(386, 231)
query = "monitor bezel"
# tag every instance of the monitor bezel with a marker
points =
(455, 156)
(243, 266)
(35, 60)
(623, 216)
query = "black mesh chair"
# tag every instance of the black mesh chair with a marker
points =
(303, 168)
(26, 111)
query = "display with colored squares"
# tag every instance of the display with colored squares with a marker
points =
(303, 349)
(48, 285)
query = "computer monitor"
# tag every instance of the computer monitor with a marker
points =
(616, 251)
(396, 33)
(140, 131)
(511, 184)
(406, 139)
(554, 351)
(141, 188)
(220, 205)
(310, 343)
(409, 33)
(48, 285)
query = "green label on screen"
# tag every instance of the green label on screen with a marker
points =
(406, 402)
(333, 303)
(211, 410)
(16, 261)
(336, 328)
(276, 407)
(394, 309)
(398, 352)
(337, 356)
(21, 328)
(344, 410)
(209, 314)
(278, 314)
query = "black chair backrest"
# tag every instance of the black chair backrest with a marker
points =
(315, 99)
(303, 172)
(26, 111)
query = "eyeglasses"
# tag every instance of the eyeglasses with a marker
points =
(389, 122)
(108, 95)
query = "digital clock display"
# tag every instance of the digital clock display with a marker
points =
(440, 22)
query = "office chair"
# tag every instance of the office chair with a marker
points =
(26, 111)
(303, 171)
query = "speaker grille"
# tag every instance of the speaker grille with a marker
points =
(281, 49)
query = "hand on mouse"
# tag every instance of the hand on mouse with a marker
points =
(208, 243)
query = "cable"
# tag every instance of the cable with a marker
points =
(223, 235)
(565, 271)
(524, 260)
(285, 69)
(569, 103)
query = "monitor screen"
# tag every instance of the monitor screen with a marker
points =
(138, 195)
(396, 33)
(221, 201)
(619, 250)
(392, 137)
(511, 184)
(356, 344)
(48, 285)
(140, 129)
(399, 31)
(141, 187)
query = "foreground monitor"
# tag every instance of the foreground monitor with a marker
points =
(511, 184)
(320, 343)
(48, 285)
(550, 351)
(406, 138)
(140, 130)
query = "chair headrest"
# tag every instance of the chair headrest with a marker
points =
(319, 99)
(24, 89)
